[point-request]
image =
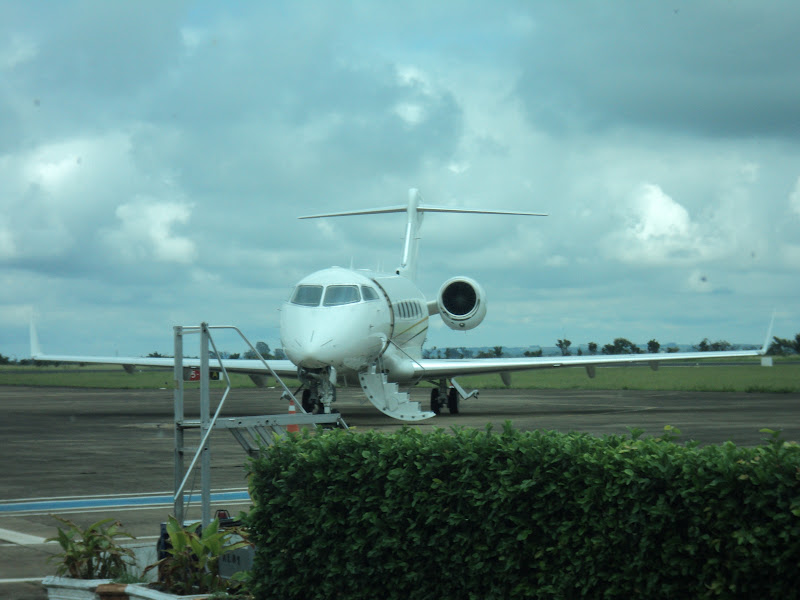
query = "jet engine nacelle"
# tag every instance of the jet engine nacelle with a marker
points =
(461, 303)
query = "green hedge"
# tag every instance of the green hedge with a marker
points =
(474, 514)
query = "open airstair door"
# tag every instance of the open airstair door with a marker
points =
(387, 398)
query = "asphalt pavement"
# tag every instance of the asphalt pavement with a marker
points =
(87, 454)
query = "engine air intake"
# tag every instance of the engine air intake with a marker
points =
(461, 303)
(459, 298)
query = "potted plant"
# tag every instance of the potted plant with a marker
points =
(191, 566)
(88, 557)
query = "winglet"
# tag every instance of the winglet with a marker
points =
(36, 349)
(769, 335)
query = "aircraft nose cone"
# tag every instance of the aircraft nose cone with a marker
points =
(344, 337)
(310, 354)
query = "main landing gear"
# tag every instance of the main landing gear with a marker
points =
(441, 395)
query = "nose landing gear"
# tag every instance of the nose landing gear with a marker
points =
(320, 389)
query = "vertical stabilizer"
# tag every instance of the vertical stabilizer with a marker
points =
(408, 264)
(36, 350)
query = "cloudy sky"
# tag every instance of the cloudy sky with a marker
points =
(154, 157)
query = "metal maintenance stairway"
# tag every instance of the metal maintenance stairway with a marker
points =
(255, 433)
(252, 432)
(387, 398)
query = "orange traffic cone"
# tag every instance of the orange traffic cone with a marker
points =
(292, 428)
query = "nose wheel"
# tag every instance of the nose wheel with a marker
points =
(319, 390)
(308, 403)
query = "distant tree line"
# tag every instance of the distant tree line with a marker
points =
(779, 346)
(262, 347)
(460, 352)
(24, 362)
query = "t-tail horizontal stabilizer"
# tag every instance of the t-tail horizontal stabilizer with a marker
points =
(415, 211)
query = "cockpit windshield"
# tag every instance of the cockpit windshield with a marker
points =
(332, 295)
(368, 293)
(307, 295)
(341, 294)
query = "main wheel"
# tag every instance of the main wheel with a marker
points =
(308, 403)
(436, 404)
(452, 401)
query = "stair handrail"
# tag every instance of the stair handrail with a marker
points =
(224, 371)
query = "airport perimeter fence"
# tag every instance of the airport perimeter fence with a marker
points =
(476, 514)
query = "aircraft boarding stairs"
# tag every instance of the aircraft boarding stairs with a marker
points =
(387, 397)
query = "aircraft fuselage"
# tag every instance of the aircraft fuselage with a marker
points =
(348, 319)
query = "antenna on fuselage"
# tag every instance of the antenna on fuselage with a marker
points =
(415, 211)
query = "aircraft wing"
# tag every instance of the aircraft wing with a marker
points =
(438, 368)
(283, 368)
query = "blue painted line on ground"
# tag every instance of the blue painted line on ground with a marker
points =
(94, 503)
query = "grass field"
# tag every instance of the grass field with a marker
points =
(749, 377)
(784, 377)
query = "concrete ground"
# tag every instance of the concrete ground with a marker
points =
(64, 445)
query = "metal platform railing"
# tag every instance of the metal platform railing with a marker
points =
(252, 432)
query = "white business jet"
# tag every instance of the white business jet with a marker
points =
(341, 324)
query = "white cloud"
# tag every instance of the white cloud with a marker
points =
(8, 248)
(556, 261)
(458, 167)
(105, 144)
(412, 114)
(69, 168)
(57, 195)
(657, 217)
(146, 231)
(410, 76)
(659, 230)
(791, 255)
(18, 50)
(11, 315)
(794, 198)
(192, 37)
(750, 172)
(50, 172)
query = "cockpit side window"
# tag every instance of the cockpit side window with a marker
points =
(307, 295)
(368, 293)
(341, 294)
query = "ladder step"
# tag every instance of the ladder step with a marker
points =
(254, 432)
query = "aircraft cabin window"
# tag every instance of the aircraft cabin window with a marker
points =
(341, 294)
(307, 295)
(408, 309)
(368, 293)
